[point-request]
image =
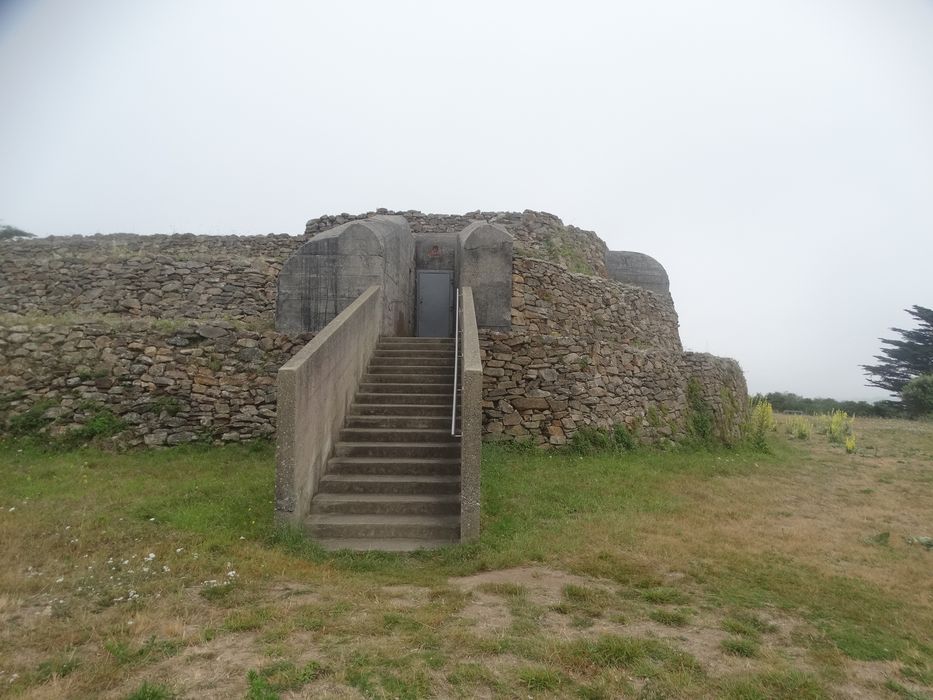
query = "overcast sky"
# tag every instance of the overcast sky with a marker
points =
(776, 156)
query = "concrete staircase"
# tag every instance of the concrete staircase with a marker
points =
(394, 481)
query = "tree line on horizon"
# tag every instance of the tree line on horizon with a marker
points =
(785, 401)
(904, 367)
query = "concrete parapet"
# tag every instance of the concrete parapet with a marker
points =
(328, 272)
(314, 389)
(484, 258)
(471, 422)
(638, 269)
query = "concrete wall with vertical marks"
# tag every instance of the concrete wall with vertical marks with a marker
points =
(329, 272)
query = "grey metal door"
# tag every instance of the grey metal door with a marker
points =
(435, 303)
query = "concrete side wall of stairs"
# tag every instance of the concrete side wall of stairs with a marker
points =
(315, 389)
(393, 483)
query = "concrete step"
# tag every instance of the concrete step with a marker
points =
(399, 450)
(417, 355)
(429, 527)
(417, 342)
(347, 482)
(385, 504)
(389, 370)
(424, 377)
(403, 360)
(386, 397)
(396, 435)
(447, 350)
(404, 388)
(412, 466)
(400, 409)
(441, 422)
(396, 544)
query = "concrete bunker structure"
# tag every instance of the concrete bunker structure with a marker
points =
(418, 273)
(557, 334)
(328, 273)
(639, 270)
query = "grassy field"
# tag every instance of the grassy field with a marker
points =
(680, 574)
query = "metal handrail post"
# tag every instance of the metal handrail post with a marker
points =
(453, 410)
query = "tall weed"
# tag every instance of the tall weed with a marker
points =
(760, 423)
(840, 426)
(799, 427)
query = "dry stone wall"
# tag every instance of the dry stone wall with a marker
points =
(156, 385)
(170, 338)
(548, 299)
(178, 276)
(586, 352)
(232, 277)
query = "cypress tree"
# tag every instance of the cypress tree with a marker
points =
(906, 358)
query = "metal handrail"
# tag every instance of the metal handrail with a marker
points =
(453, 409)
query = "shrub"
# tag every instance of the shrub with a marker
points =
(850, 444)
(590, 441)
(760, 423)
(102, 425)
(622, 438)
(32, 421)
(587, 441)
(839, 426)
(917, 396)
(799, 427)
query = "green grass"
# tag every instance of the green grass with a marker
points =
(776, 685)
(153, 649)
(282, 676)
(671, 618)
(584, 601)
(630, 520)
(739, 646)
(540, 679)
(55, 668)
(747, 624)
(247, 619)
(647, 658)
(904, 692)
(662, 595)
(148, 691)
(510, 590)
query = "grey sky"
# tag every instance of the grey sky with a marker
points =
(775, 156)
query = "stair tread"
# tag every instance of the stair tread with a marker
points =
(387, 498)
(381, 518)
(439, 432)
(446, 370)
(376, 443)
(441, 420)
(393, 460)
(383, 544)
(434, 395)
(392, 478)
(407, 386)
(445, 404)
(410, 352)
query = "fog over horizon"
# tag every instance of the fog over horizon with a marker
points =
(776, 156)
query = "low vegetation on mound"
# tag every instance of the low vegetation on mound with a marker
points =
(800, 572)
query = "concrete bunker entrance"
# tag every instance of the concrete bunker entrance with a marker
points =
(434, 294)
(417, 271)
